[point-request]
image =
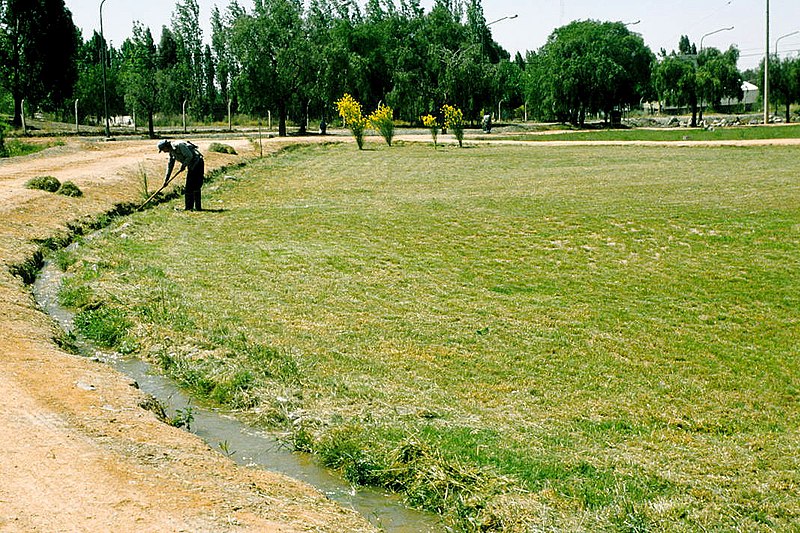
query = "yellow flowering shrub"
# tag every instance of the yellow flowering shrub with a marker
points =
(454, 121)
(382, 119)
(350, 111)
(430, 122)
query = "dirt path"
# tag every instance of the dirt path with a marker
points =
(78, 453)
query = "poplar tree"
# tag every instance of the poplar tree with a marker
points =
(31, 67)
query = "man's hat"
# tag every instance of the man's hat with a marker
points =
(163, 146)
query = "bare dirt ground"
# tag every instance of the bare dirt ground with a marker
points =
(77, 451)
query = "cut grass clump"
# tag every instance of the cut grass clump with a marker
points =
(69, 188)
(51, 184)
(44, 183)
(221, 148)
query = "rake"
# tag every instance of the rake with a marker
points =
(159, 190)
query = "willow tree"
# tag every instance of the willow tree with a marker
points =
(692, 79)
(592, 67)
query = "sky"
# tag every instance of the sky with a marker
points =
(660, 22)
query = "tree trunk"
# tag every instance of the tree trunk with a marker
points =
(282, 119)
(788, 114)
(17, 120)
(150, 129)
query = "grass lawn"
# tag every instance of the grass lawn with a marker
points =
(729, 133)
(519, 337)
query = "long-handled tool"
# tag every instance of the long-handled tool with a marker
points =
(160, 189)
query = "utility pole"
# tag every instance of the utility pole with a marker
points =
(766, 74)
(103, 60)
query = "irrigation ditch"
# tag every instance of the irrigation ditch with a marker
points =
(220, 429)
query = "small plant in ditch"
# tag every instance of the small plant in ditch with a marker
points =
(225, 448)
(64, 259)
(75, 295)
(144, 191)
(183, 418)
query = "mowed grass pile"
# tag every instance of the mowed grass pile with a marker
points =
(519, 337)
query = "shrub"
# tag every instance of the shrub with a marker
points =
(221, 148)
(68, 188)
(432, 124)
(350, 111)
(454, 120)
(43, 183)
(382, 119)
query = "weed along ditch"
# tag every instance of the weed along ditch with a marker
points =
(222, 431)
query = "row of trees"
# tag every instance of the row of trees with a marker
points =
(295, 59)
(784, 83)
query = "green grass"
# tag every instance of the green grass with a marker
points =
(18, 147)
(576, 338)
(737, 133)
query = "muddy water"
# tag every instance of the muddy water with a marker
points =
(247, 446)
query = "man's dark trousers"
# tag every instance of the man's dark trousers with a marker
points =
(194, 182)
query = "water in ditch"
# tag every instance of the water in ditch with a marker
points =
(244, 444)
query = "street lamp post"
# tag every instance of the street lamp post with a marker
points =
(503, 18)
(509, 17)
(783, 37)
(766, 73)
(712, 33)
(103, 61)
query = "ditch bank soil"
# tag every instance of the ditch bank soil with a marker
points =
(78, 451)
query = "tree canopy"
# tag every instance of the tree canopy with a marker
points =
(32, 66)
(295, 58)
(692, 79)
(589, 67)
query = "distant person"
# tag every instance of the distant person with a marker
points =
(191, 159)
(486, 123)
